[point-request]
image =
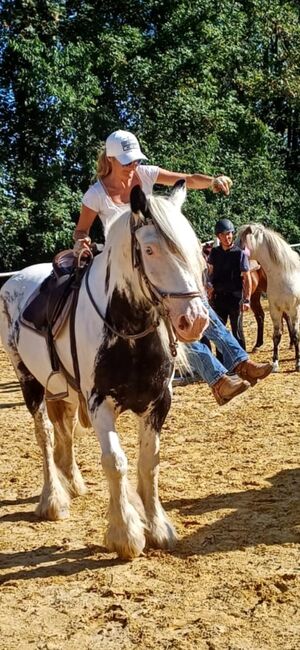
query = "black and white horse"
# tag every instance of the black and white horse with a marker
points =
(141, 294)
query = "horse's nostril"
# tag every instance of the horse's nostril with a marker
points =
(183, 323)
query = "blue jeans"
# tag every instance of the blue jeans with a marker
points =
(204, 362)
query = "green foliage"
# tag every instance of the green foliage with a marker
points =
(210, 87)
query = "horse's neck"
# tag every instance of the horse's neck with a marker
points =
(262, 255)
(115, 286)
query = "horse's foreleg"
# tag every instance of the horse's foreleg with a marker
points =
(126, 526)
(259, 315)
(161, 532)
(277, 333)
(297, 350)
(295, 326)
(64, 417)
(288, 321)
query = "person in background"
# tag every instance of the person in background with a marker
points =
(229, 286)
(119, 169)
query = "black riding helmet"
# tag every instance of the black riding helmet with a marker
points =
(223, 225)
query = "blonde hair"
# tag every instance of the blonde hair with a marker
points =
(103, 167)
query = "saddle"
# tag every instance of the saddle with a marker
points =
(47, 311)
(49, 306)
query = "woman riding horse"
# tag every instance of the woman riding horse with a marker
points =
(119, 169)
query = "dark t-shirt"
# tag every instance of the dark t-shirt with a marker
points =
(227, 268)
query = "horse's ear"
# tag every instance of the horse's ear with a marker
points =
(138, 200)
(248, 231)
(178, 194)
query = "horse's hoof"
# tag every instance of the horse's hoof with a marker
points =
(52, 509)
(275, 366)
(126, 549)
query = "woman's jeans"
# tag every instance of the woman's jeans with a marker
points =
(202, 360)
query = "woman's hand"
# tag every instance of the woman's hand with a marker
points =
(81, 245)
(210, 292)
(221, 184)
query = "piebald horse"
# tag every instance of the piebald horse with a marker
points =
(140, 295)
(282, 268)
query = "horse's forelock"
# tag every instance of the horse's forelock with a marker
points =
(178, 234)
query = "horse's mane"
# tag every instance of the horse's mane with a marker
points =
(178, 235)
(279, 250)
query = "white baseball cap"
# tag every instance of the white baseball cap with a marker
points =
(123, 146)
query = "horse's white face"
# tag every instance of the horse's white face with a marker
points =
(249, 238)
(170, 275)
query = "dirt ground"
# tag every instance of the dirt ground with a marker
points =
(230, 481)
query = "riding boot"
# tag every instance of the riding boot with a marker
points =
(251, 371)
(228, 387)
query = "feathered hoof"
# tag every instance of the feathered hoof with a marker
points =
(126, 547)
(77, 488)
(275, 366)
(161, 534)
(52, 508)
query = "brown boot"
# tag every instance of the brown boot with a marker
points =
(228, 387)
(252, 371)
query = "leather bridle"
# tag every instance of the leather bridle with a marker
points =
(156, 297)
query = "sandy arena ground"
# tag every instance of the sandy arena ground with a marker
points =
(230, 481)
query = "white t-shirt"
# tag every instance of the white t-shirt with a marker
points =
(96, 198)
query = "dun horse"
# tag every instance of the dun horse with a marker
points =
(140, 294)
(258, 288)
(282, 268)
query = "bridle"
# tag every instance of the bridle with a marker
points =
(156, 297)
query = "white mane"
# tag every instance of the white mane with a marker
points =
(279, 250)
(178, 234)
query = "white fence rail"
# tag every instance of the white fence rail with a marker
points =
(10, 273)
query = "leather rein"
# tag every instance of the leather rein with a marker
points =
(156, 298)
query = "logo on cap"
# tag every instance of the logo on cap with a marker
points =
(128, 145)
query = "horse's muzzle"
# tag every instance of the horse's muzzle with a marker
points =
(190, 328)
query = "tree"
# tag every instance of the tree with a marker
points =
(208, 87)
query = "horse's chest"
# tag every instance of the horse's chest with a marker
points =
(133, 374)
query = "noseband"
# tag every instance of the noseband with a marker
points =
(156, 296)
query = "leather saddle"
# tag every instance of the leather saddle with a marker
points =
(49, 306)
(47, 311)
